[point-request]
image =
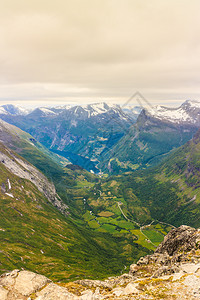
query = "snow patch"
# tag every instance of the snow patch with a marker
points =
(10, 195)
(47, 111)
(183, 114)
(3, 111)
(9, 184)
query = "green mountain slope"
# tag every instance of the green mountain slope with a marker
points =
(146, 144)
(169, 192)
(36, 236)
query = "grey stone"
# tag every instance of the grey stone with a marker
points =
(87, 295)
(133, 268)
(131, 289)
(3, 293)
(28, 282)
(55, 292)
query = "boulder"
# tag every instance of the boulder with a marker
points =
(55, 292)
(183, 238)
(3, 293)
(131, 289)
(133, 269)
(87, 295)
(28, 282)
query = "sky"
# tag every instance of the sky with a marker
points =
(83, 51)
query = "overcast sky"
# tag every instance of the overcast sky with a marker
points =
(83, 51)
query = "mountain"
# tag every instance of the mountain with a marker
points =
(41, 112)
(187, 114)
(37, 235)
(83, 228)
(81, 134)
(23, 169)
(34, 234)
(171, 272)
(106, 137)
(27, 146)
(169, 192)
(94, 225)
(157, 132)
(15, 110)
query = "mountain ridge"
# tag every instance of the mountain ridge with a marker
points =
(187, 113)
(153, 137)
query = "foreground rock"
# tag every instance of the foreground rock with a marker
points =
(172, 272)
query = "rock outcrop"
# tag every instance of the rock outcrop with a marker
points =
(172, 272)
(24, 169)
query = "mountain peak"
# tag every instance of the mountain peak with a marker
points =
(187, 113)
(191, 103)
(42, 112)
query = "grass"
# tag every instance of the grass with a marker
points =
(155, 236)
(105, 214)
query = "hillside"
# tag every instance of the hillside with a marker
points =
(172, 272)
(35, 235)
(120, 217)
(158, 131)
(82, 134)
(90, 247)
(169, 192)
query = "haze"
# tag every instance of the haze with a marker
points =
(100, 50)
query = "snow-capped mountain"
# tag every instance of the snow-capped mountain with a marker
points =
(3, 111)
(100, 108)
(81, 112)
(86, 130)
(97, 110)
(157, 132)
(187, 113)
(42, 112)
(15, 110)
(75, 112)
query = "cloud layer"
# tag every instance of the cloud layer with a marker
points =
(99, 49)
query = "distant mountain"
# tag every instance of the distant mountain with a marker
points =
(41, 112)
(82, 134)
(110, 138)
(187, 114)
(15, 110)
(157, 132)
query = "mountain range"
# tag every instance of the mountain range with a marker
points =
(77, 224)
(109, 137)
(158, 131)
(80, 133)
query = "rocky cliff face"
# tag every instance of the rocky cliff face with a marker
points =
(172, 272)
(25, 170)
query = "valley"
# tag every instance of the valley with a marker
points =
(93, 221)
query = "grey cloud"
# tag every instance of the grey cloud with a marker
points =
(103, 48)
